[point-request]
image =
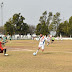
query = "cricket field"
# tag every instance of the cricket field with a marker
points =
(57, 57)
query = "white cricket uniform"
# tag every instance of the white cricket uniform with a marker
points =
(42, 42)
(48, 39)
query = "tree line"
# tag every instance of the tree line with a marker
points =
(48, 22)
(16, 25)
(52, 22)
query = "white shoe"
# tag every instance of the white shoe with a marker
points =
(6, 54)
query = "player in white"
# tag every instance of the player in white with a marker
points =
(48, 39)
(41, 43)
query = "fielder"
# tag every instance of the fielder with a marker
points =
(41, 43)
(2, 45)
(48, 39)
(53, 38)
(2, 48)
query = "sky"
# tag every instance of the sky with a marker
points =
(33, 9)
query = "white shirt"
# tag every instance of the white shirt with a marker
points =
(42, 40)
(48, 38)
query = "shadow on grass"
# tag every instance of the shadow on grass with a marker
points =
(48, 53)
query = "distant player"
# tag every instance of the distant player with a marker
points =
(4, 41)
(41, 43)
(2, 48)
(10, 37)
(48, 39)
(53, 38)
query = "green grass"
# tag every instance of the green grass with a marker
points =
(57, 57)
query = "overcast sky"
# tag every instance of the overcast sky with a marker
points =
(33, 9)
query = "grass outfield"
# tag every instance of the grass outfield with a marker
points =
(57, 57)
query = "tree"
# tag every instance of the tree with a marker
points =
(55, 22)
(9, 28)
(49, 19)
(60, 29)
(18, 22)
(70, 25)
(25, 29)
(44, 16)
(16, 25)
(64, 29)
(42, 27)
(2, 31)
(32, 29)
(38, 29)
